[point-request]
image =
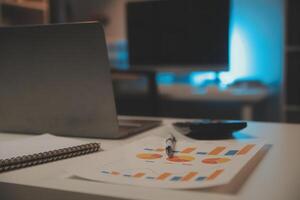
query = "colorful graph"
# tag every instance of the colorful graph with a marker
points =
(188, 150)
(246, 149)
(168, 176)
(181, 158)
(138, 175)
(185, 150)
(157, 149)
(188, 154)
(215, 160)
(193, 164)
(219, 150)
(163, 176)
(149, 156)
(231, 153)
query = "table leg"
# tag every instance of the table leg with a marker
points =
(247, 112)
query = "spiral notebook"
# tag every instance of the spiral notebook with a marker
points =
(41, 149)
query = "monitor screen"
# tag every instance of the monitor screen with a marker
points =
(180, 34)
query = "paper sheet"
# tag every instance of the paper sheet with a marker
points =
(35, 144)
(195, 164)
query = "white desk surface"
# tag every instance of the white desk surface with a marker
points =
(274, 176)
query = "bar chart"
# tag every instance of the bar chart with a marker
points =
(168, 176)
(194, 164)
(219, 150)
(217, 155)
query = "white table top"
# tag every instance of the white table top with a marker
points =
(274, 174)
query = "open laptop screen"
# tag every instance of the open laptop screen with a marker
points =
(56, 78)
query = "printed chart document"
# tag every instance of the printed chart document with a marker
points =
(195, 164)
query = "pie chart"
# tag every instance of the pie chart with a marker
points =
(215, 160)
(181, 158)
(149, 156)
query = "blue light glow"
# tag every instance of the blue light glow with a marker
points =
(165, 78)
(197, 78)
(239, 57)
(256, 42)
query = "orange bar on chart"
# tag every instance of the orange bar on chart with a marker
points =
(188, 150)
(138, 175)
(246, 149)
(163, 176)
(160, 149)
(215, 174)
(216, 151)
(189, 176)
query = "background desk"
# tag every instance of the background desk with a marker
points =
(276, 176)
(245, 98)
(137, 93)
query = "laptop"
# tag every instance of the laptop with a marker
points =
(56, 79)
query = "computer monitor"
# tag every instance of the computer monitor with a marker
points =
(178, 34)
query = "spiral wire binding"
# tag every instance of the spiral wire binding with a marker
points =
(45, 157)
